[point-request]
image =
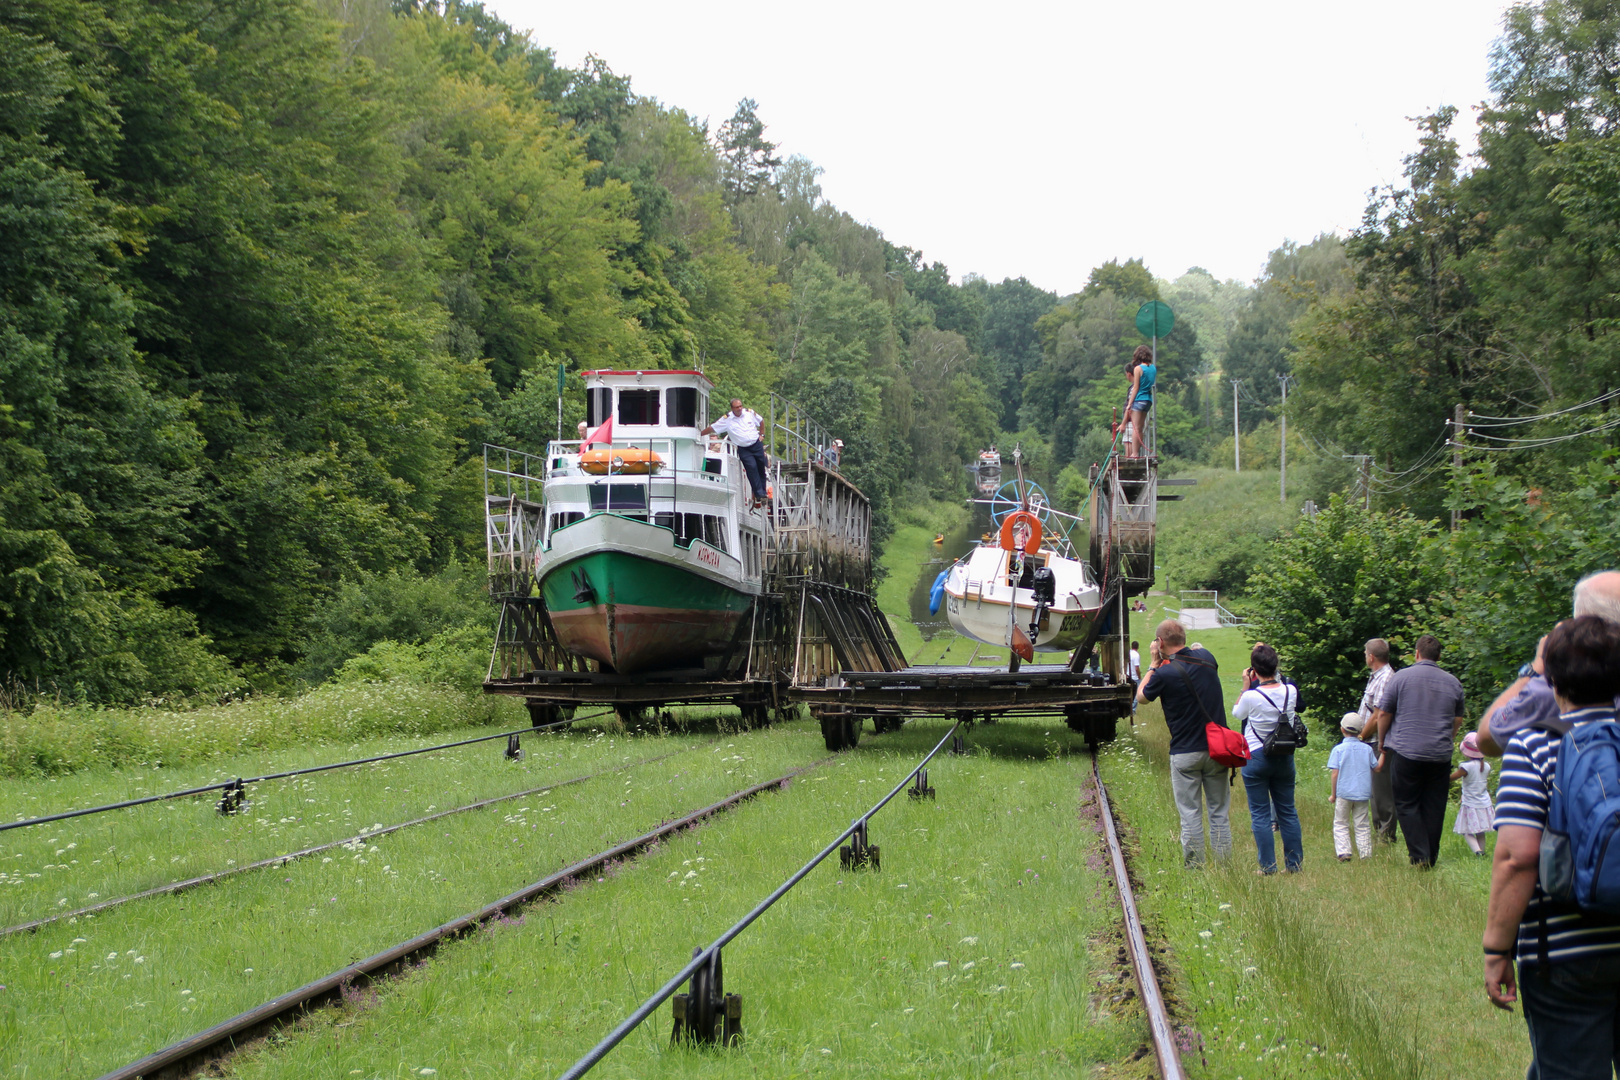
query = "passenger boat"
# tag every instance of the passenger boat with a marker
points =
(650, 553)
(1021, 586)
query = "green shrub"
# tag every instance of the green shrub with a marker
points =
(402, 606)
(1343, 577)
(1514, 564)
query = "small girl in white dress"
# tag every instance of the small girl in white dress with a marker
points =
(1474, 817)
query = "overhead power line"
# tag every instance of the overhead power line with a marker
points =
(1480, 420)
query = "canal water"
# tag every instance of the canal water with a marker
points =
(957, 543)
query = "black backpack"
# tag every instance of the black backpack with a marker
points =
(1290, 733)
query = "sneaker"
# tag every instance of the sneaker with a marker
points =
(1346, 858)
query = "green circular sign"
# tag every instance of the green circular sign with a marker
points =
(1155, 319)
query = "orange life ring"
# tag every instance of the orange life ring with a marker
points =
(630, 461)
(1008, 527)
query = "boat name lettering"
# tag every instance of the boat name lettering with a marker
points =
(707, 555)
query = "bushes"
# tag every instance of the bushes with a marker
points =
(403, 607)
(1514, 564)
(1343, 577)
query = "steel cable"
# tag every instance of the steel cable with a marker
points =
(66, 814)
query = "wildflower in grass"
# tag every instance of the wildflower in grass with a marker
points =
(942, 963)
(1017, 964)
(903, 1010)
(80, 941)
(140, 959)
(969, 941)
(1206, 934)
(56, 955)
(968, 966)
(185, 993)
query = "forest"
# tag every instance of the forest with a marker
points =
(272, 272)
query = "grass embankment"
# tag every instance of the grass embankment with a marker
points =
(975, 949)
(85, 997)
(908, 549)
(55, 739)
(1369, 969)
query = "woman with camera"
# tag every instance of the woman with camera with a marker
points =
(1266, 708)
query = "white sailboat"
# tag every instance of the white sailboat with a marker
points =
(1021, 587)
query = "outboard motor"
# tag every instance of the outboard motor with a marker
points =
(1043, 589)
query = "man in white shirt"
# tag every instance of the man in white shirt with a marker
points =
(742, 427)
(1383, 789)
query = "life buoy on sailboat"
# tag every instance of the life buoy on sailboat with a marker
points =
(633, 461)
(1021, 532)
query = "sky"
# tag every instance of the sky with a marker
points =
(1042, 139)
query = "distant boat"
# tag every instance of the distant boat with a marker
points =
(939, 538)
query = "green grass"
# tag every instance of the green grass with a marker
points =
(55, 739)
(85, 997)
(1364, 969)
(981, 946)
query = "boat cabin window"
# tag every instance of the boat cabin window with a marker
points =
(714, 532)
(598, 405)
(638, 407)
(567, 517)
(618, 497)
(682, 402)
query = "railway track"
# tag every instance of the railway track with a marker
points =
(706, 1005)
(291, 856)
(184, 1057)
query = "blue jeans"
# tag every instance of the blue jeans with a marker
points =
(1573, 1017)
(753, 463)
(1270, 784)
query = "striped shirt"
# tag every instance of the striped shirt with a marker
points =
(1528, 767)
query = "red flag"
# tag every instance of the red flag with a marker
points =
(601, 434)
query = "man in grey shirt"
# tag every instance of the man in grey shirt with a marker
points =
(1418, 720)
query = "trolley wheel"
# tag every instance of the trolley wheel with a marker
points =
(852, 731)
(882, 725)
(630, 715)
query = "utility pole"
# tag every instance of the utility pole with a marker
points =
(1237, 460)
(1456, 460)
(1366, 481)
(1283, 415)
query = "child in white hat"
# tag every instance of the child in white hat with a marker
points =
(1350, 768)
(1474, 817)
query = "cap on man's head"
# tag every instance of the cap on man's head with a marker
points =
(1352, 723)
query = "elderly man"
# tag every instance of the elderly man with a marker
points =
(1187, 679)
(1418, 719)
(1376, 653)
(1528, 699)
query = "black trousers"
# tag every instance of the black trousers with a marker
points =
(1420, 804)
(1383, 804)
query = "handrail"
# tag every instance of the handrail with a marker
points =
(665, 992)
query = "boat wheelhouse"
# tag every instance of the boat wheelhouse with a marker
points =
(649, 554)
